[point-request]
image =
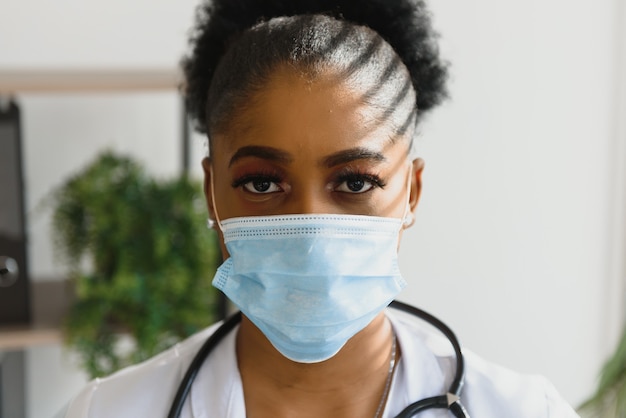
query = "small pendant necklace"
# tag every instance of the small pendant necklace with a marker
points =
(392, 364)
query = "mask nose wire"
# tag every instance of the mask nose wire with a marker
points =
(217, 217)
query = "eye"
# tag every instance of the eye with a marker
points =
(261, 186)
(258, 184)
(357, 183)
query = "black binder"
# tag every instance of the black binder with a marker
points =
(14, 279)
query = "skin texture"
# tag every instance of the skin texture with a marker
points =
(306, 146)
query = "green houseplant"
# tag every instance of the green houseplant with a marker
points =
(141, 259)
(609, 400)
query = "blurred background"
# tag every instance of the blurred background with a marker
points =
(519, 243)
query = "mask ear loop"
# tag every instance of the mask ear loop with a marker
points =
(407, 218)
(212, 222)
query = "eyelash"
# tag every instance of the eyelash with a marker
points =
(260, 175)
(347, 176)
(352, 174)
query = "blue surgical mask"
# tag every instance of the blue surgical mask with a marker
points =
(310, 282)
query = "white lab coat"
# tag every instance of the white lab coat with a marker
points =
(425, 369)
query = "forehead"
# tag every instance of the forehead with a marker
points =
(310, 116)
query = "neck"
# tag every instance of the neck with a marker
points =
(349, 384)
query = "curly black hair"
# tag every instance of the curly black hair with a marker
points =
(240, 32)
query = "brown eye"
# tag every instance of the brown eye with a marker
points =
(356, 183)
(258, 183)
(261, 185)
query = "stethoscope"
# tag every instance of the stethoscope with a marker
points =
(450, 400)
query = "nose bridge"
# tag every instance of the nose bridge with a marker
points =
(309, 196)
(310, 201)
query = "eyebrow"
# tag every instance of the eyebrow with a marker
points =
(280, 156)
(352, 154)
(258, 151)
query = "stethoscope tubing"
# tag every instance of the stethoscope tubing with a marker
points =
(457, 383)
(443, 401)
(195, 365)
(440, 402)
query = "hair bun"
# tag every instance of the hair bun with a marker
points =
(404, 24)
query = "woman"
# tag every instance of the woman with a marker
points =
(311, 108)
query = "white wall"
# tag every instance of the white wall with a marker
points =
(512, 243)
(94, 33)
(515, 233)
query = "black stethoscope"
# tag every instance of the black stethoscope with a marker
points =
(450, 400)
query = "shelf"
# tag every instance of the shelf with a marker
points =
(50, 301)
(21, 338)
(44, 81)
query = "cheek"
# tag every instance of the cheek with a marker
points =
(223, 200)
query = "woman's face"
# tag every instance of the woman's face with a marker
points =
(305, 146)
